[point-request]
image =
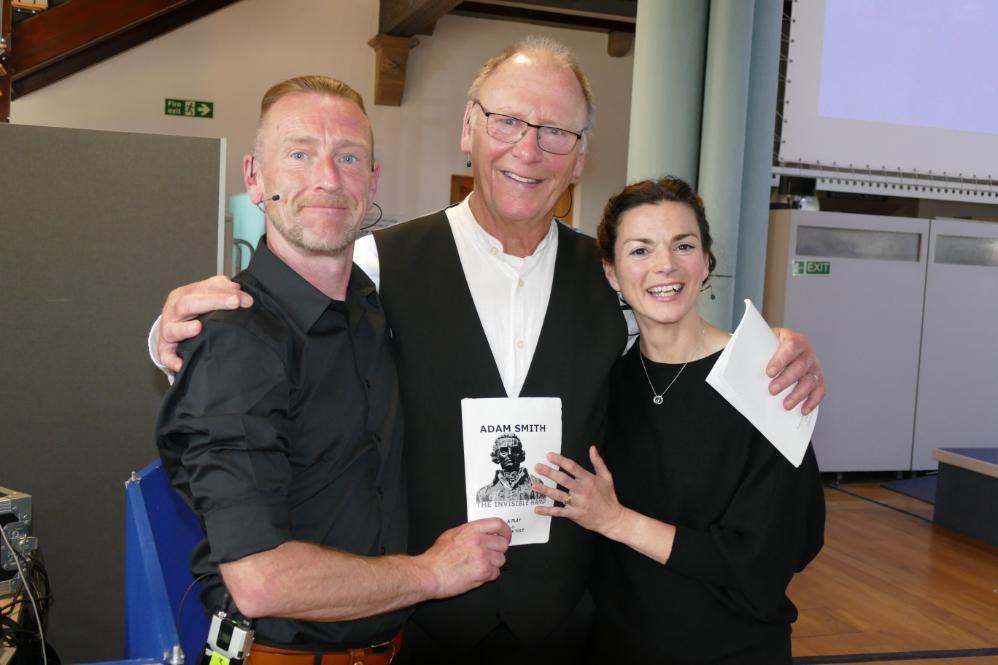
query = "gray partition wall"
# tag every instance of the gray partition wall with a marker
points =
(854, 285)
(98, 226)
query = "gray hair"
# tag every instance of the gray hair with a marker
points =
(553, 49)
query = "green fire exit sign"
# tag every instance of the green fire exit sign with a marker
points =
(812, 267)
(192, 108)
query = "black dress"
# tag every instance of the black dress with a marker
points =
(746, 520)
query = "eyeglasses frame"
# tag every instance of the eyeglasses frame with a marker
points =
(578, 135)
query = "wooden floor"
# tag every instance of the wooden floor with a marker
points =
(890, 582)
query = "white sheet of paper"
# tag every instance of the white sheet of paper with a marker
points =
(739, 375)
(536, 423)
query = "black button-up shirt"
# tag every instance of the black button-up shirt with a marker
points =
(284, 424)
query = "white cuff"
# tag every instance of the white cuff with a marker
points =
(153, 343)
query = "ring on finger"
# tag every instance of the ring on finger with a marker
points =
(568, 498)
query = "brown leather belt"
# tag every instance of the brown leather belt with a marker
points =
(376, 654)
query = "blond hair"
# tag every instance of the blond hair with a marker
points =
(324, 85)
(553, 49)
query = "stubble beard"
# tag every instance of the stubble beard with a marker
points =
(295, 234)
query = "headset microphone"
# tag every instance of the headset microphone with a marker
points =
(260, 205)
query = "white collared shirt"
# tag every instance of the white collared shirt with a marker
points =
(510, 293)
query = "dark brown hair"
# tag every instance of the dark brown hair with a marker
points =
(650, 192)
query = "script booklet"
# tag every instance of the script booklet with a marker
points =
(739, 375)
(503, 439)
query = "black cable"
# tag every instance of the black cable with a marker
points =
(183, 599)
(381, 213)
(567, 212)
(42, 591)
(27, 583)
(40, 584)
(12, 633)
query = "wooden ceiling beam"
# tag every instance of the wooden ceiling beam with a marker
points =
(623, 8)
(398, 22)
(405, 18)
(618, 44)
(542, 17)
(391, 56)
(67, 39)
(72, 26)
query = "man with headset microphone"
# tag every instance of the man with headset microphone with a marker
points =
(283, 429)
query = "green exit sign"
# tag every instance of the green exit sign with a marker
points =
(812, 267)
(191, 108)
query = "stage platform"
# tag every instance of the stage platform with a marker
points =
(967, 492)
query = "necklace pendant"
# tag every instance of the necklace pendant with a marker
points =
(657, 399)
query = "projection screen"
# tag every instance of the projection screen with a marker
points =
(886, 88)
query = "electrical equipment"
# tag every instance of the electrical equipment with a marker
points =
(230, 639)
(15, 520)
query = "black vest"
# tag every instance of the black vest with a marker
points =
(444, 356)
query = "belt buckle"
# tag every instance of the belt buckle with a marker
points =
(389, 647)
(381, 647)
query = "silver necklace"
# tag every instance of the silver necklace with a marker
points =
(659, 397)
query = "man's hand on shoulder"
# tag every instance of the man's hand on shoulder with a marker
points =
(186, 303)
(466, 557)
(796, 363)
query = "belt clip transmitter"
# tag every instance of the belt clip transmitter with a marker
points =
(230, 638)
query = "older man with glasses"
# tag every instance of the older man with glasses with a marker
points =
(492, 298)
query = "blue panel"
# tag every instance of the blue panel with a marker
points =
(922, 488)
(161, 532)
(247, 227)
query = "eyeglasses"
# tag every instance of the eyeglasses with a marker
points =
(509, 129)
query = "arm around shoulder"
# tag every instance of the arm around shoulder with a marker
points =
(795, 363)
(178, 320)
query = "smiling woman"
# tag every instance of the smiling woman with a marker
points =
(657, 252)
(704, 521)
